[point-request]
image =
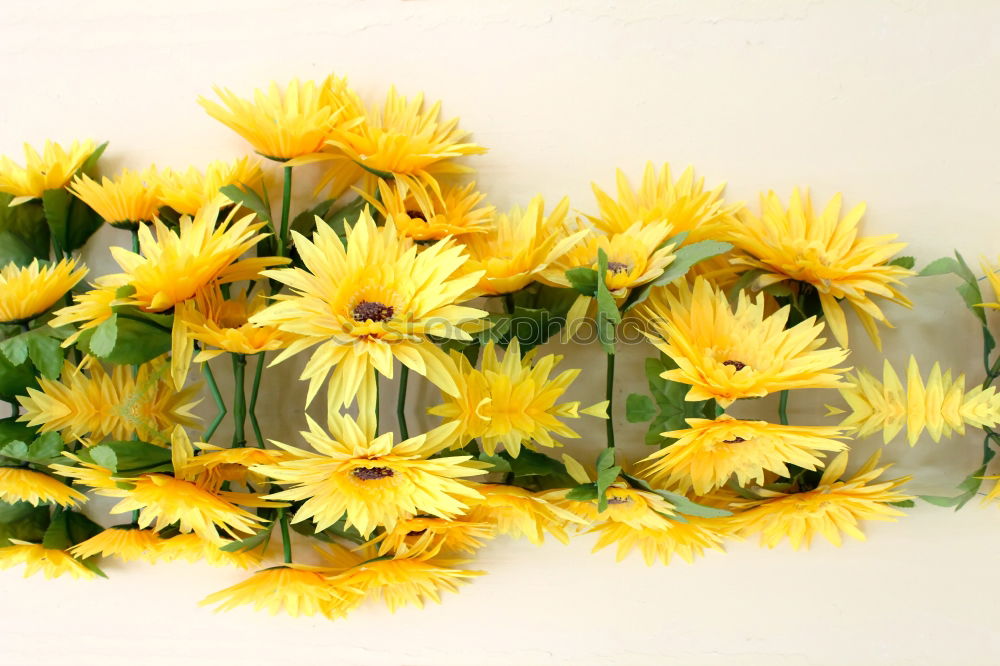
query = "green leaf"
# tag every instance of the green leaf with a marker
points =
(681, 503)
(132, 457)
(137, 340)
(29, 527)
(102, 342)
(583, 492)
(15, 348)
(349, 214)
(27, 222)
(673, 408)
(46, 354)
(44, 450)
(15, 378)
(384, 175)
(639, 408)
(256, 541)
(684, 259)
(11, 429)
(607, 473)
(248, 198)
(305, 222)
(583, 279)
(969, 487)
(13, 512)
(57, 535)
(941, 266)
(105, 456)
(83, 222)
(905, 262)
(499, 464)
(14, 250)
(15, 449)
(608, 316)
(905, 504)
(89, 165)
(56, 205)
(746, 279)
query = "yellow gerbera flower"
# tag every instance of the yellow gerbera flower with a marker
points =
(708, 453)
(519, 246)
(836, 505)
(215, 465)
(124, 543)
(282, 124)
(87, 400)
(683, 203)
(192, 548)
(90, 309)
(224, 324)
(511, 402)
(29, 291)
(174, 266)
(824, 252)
(49, 171)
(423, 537)
(373, 301)
(294, 589)
(454, 214)
(407, 141)
(24, 485)
(127, 201)
(189, 191)
(35, 557)
(942, 407)
(516, 512)
(728, 355)
(89, 474)
(369, 481)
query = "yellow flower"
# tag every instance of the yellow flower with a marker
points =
(366, 304)
(192, 548)
(127, 201)
(708, 453)
(423, 537)
(454, 214)
(511, 402)
(36, 557)
(520, 245)
(29, 291)
(90, 310)
(289, 123)
(25, 485)
(683, 203)
(295, 589)
(407, 141)
(728, 355)
(89, 474)
(367, 480)
(174, 266)
(224, 324)
(123, 542)
(49, 171)
(836, 505)
(214, 466)
(189, 191)
(942, 407)
(517, 513)
(824, 252)
(89, 401)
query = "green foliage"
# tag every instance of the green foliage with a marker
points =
(15, 378)
(608, 316)
(684, 259)
(539, 313)
(13, 249)
(583, 492)
(672, 410)
(258, 540)
(639, 408)
(41, 345)
(338, 530)
(583, 279)
(44, 450)
(248, 198)
(128, 337)
(131, 458)
(25, 222)
(968, 487)
(71, 222)
(11, 429)
(607, 473)
(23, 522)
(68, 528)
(904, 262)
(681, 503)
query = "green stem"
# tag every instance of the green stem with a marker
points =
(135, 239)
(254, 392)
(783, 407)
(286, 542)
(609, 394)
(508, 302)
(992, 372)
(378, 417)
(239, 400)
(135, 517)
(286, 204)
(217, 398)
(404, 376)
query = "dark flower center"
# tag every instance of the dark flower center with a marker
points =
(416, 532)
(739, 365)
(371, 473)
(734, 440)
(617, 267)
(618, 500)
(416, 215)
(372, 311)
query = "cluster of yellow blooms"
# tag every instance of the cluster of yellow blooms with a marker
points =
(418, 274)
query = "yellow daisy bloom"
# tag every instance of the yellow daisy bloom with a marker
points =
(189, 191)
(173, 267)
(87, 400)
(708, 453)
(28, 292)
(454, 214)
(836, 505)
(224, 324)
(295, 589)
(519, 246)
(215, 465)
(35, 557)
(192, 548)
(127, 201)
(824, 252)
(728, 355)
(683, 203)
(516, 512)
(423, 537)
(49, 171)
(407, 141)
(942, 407)
(366, 304)
(90, 309)
(124, 543)
(369, 481)
(24, 485)
(91, 475)
(282, 124)
(511, 402)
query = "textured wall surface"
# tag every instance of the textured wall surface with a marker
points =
(894, 103)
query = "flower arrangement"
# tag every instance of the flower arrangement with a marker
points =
(399, 266)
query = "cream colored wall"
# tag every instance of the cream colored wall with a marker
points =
(895, 103)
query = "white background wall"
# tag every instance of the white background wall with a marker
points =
(890, 102)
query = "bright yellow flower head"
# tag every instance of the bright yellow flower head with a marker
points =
(516, 512)
(29, 291)
(173, 267)
(520, 245)
(189, 191)
(942, 407)
(91, 475)
(369, 303)
(297, 590)
(836, 505)
(453, 214)
(367, 480)
(88, 401)
(35, 557)
(192, 548)
(728, 355)
(282, 124)
(511, 402)
(126, 201)
(708, 453)
(49, 171)
(125, 543)
(224, 324)
(214, 466)
(825, 252)
(24, 485)
(90, 309)
(423, 537)
(683, 203)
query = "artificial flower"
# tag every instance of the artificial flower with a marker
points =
(223, 324)
(423, 537)
(125, 543)
(295, 589)
(516, 512)
(192, 548)
(26, 292)
(92, 475)
(189, 191)
(127, 201)
(90, 308)
(24, 485)
(424, 218)
(49, 171)
(215, 465)
(35, 557)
